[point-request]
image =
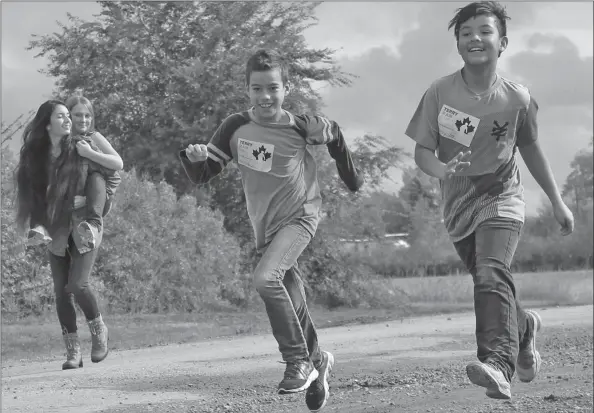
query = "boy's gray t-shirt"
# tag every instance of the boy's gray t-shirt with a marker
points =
(278, 170)
(451, 118)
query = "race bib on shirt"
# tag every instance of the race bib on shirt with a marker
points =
(456, 125)
(255, 155)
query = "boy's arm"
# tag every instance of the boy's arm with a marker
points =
(321, 131)
(538, 165)
(424, 130)
(534, 157)
(219, 152)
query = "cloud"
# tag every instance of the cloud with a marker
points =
(391, 83)
(554, 71)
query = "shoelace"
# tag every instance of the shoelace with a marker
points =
(295, 369)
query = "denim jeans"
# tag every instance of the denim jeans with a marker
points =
(278, 281)
(98, 204)
(501, 324)
(71, 281)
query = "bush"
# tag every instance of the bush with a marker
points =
(159, 254)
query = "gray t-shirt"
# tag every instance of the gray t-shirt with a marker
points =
(278, 170)
(451, 118)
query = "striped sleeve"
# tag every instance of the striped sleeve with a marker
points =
(318, 130)
(219, 152)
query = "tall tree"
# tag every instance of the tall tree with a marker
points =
(579, 183)
(164, 74)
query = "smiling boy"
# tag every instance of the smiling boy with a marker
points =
(477, 121)
(272, 148)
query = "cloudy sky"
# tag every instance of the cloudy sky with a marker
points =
(397, 49)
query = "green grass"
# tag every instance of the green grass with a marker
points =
(39, 338)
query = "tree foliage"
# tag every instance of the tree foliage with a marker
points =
(165, 74)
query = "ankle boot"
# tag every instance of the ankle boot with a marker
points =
(73, 353)
(99, 348)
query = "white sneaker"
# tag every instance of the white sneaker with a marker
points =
(490, 377)
(529, 361)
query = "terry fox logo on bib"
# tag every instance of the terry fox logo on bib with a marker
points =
(255, 155)
(457, 126)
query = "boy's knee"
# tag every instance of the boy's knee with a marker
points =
(491, 278)
(265, 280)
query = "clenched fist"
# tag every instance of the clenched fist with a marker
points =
(197, 153)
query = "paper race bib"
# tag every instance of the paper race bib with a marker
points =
(255, 155)
(456, 125)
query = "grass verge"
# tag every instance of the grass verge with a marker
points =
(37, 339)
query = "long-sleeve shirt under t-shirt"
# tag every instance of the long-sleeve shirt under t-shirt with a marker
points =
(278, 170)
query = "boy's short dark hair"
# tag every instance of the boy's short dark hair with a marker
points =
(264, 60)
(480, 8)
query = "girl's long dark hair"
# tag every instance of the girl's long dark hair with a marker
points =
(50, 207)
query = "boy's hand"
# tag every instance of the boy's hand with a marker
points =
(564, 217)
(83, 148)
(80, 201)
(197, 153)
(459, 163)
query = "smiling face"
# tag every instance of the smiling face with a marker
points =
(60, 124)
(267, 93)
(479, 41)
(82, 118)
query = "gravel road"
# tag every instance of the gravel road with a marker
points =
(413, 365)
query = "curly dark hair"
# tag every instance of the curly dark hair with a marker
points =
(45, 193)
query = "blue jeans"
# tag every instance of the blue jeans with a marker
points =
(501, 324)
(98, 203)
(278, 281)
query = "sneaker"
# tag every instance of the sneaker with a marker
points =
(38, 236)
(319, 391)
(88, 234)
(488, 376)
(298, 376)
(529, 360)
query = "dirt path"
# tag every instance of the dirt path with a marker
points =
(412, 366)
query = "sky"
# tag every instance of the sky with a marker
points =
(396, 49)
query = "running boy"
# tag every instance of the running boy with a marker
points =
(477, 121)
(272, 150)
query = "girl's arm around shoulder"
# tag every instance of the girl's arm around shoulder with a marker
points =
(108, 157)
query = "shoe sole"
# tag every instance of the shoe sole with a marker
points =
(525, 375)
(97, 359)
(312, 376)
(479, 376)
(37, 238)
(324, 378)
(73, 367)
(86, 235)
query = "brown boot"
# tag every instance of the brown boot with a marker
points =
(73, 353)
(99, 349)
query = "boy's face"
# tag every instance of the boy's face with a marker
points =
(267, 93)
(479, 42)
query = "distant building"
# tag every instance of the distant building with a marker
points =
(398, 241)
